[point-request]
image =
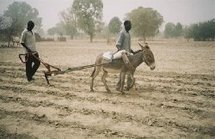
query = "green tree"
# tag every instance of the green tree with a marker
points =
(195, 32)
(187, 33)
(5, 23)
(145, 22)
(89, 15)
(202, 31)
(60, 28)
(114, 25)
(178, 30)
(207, 30)
(169, 30)
(69, 21)
(52, 31)
(20, 13)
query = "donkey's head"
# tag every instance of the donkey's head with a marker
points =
(148, 56)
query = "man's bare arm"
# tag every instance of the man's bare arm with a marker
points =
(118, 47)
(23, 44)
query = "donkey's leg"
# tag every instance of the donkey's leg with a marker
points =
(94, 74)
(105, 73)
(130, 81)
(122, 79)
(118, 85)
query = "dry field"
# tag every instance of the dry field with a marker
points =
(176, 100)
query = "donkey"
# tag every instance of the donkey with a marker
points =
(140, 56)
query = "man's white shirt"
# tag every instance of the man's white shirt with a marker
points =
(28, 38)
(124, 40)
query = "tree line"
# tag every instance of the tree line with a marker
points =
(82, 17)
(203, 31)
(85, 17)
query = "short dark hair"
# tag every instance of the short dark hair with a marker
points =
(30, 23)
(127, 22)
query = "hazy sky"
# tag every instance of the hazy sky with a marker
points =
(183, 11)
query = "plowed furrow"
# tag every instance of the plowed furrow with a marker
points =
(190, 90)
(114, 114)
(43, 116)
(102, 97)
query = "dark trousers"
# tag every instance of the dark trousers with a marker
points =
(32, 65)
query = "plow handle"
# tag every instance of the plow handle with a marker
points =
(20, 57)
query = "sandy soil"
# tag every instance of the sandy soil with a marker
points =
(176, 100)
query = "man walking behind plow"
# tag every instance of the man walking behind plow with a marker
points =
(32, 57)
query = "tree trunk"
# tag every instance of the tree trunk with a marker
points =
(91, 38)
(9, 39)
(9, 36)
(144, 39)
(71, 37)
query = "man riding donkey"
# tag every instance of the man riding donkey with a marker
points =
(125, 61)
(31, 57)
(124, 49)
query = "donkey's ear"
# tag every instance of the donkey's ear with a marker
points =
(140, 45)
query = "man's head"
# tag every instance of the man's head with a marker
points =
(30, 25)
(127, 25)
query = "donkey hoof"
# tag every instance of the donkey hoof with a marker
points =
(108, 91)
(122, 93)
(127, 89)
(117, 89)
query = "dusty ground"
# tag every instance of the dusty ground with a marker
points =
(177, 100)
